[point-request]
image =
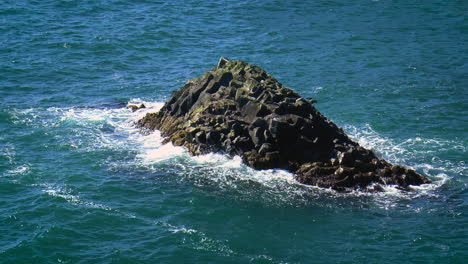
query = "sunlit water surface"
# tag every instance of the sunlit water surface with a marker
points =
(80, 184)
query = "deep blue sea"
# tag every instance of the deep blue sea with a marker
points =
(80, 184)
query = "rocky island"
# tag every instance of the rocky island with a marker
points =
(239, 109)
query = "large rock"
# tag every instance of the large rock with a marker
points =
(239, 109)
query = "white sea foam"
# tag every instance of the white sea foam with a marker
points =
(158, 152)
(229, 170)
(229, 173)
(418, 153)
(409, 151)
(151, 149)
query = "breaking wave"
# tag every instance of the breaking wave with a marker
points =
(114, 129)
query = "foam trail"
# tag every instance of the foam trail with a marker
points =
(65, 194)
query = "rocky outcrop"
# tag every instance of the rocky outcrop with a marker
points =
(239, 109)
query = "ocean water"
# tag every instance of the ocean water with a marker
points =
(80, 184)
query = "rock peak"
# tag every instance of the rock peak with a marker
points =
(222, 61)
(239, 109)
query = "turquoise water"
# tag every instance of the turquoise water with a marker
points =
(79, 184)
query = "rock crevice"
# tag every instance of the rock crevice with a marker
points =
(239, 109)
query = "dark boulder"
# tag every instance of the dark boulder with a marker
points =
(136, 107)
(239, 109)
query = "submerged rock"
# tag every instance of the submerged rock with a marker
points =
(239, 109)
(135, 107)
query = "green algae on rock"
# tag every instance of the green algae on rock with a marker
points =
(239, 109)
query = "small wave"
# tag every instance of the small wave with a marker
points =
(198, 240)
(20, 170)
(74, 199)
(8, 153)
(176, 229)
(201, 241)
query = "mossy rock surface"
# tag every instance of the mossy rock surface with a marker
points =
(239, 109)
